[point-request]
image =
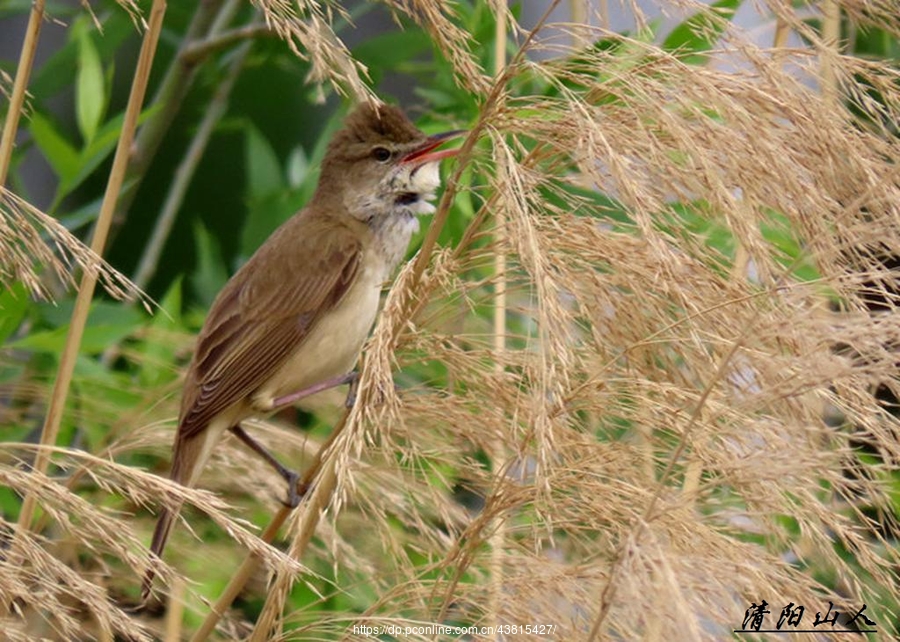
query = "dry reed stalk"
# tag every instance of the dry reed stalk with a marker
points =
(716, 326)
(89, 280)
(307, 30)
(20, 85)
(663, 410)
(497, 453)
(831, 32)
(35, 249)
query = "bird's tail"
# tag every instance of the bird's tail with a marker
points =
(157, 544)
(189, 458)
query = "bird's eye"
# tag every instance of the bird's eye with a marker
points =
(381, 154)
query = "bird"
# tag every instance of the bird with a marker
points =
(293, 319)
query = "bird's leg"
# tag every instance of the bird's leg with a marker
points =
(278, 403)
(352, 390)
(333, 382)
(290, 476)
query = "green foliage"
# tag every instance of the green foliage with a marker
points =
(14, 305)
(211, 273)
(91, 85)
(62, 155)
(156, 359)
(700, 33)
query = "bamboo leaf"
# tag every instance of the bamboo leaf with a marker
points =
(90, 88)
(59, 152)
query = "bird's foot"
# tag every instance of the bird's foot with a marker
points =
(353, 380)
(294, 494)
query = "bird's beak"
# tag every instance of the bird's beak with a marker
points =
(425, 154)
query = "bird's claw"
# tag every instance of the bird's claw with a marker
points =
(293, 495)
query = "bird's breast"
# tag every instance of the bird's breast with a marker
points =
(333, 344)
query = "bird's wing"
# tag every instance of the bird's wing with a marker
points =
(263, 315)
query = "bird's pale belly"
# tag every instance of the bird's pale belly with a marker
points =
(332, 346)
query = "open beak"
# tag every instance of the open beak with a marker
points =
(425, 153)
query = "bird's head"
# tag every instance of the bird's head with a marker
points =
(380, 164)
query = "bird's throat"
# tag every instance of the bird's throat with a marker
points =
(392, 233)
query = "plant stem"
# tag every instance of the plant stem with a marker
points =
(186, 169)
(197, 51)
(89, 280)
(831, 31)
(497, 540)
(17, 99)
(782, 31)
(169, 97)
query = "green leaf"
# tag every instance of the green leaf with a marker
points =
(268, 198)
(210, 274)
(439, 99)
(56, 74)
(788, 247)
(298, 168)
(102, 313)
(102, 395)
(90, 88)
(96, 339)
(14, 304)
(87, 213)
(391, 51)
(100, 147)
(71, 166)
(59, 10)
(158, 355)
(107, 324)
(700, 32)
(263, 168)
(264, 216)
(60, 154)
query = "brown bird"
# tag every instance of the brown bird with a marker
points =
(293, 319)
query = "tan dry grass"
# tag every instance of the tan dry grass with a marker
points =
(42, 255)
(683, 424)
